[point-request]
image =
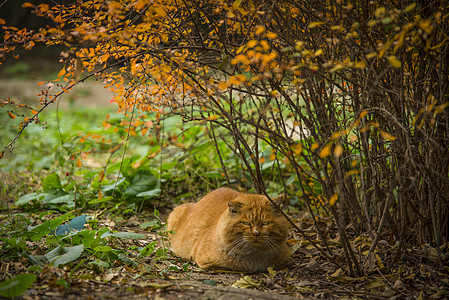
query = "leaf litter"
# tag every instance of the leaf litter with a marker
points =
(127, 257)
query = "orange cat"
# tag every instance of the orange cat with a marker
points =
(230, 230)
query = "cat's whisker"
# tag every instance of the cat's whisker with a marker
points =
(236, 246)
(272, 244)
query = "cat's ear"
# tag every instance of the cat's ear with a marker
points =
(279, 200)
(234, 207)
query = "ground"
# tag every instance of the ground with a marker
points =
(309, 275)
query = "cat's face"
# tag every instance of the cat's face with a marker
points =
(254, 223)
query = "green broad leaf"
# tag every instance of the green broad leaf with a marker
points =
(215, 175)
(102, 249)
(36, 260)
(98, 200)
(100, 263)
(52, 182)
(17, 285)
(268, 165)
(210, 282)
(141, 182)
(45, 228)
(58, 199)
(290, 180)
(71, 254)
(28, 198)
(52, 254)
(127, 260)
(150, 224)
(124, 235)
(150, 194)
(112, 186)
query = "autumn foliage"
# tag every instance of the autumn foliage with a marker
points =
(352, 96)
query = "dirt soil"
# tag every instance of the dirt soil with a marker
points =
(87, 94)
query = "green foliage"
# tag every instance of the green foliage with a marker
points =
(15, 286)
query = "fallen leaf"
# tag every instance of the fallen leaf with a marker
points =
(246, 283)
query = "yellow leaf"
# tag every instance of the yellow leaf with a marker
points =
(363, 114)
(394, 61)
(426, 26)
(234, 80)
(297, 148)
(379, 11)
(386, 136)
(27, 4)
(271, 35)
(265, 45)
(160, 12)
(60, 74)
(260, 30)
(371, 55)
(410, 8)
(271, 272)
(314, 146)
(78, 162)
(318, 52)
(333, 199)
(361, 64)
(440, 108)
(140, 4)
(298, 45)
(326, 151)
(246, 282)
(338, 151)
(315, 24)
(223, 86)
(252, 43)
(236, 4)
(241, 59)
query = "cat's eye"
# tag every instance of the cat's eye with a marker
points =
(246, 223)
(265, 223)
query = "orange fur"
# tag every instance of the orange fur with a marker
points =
(230, 230)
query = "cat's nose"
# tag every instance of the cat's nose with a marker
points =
(256, 231)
